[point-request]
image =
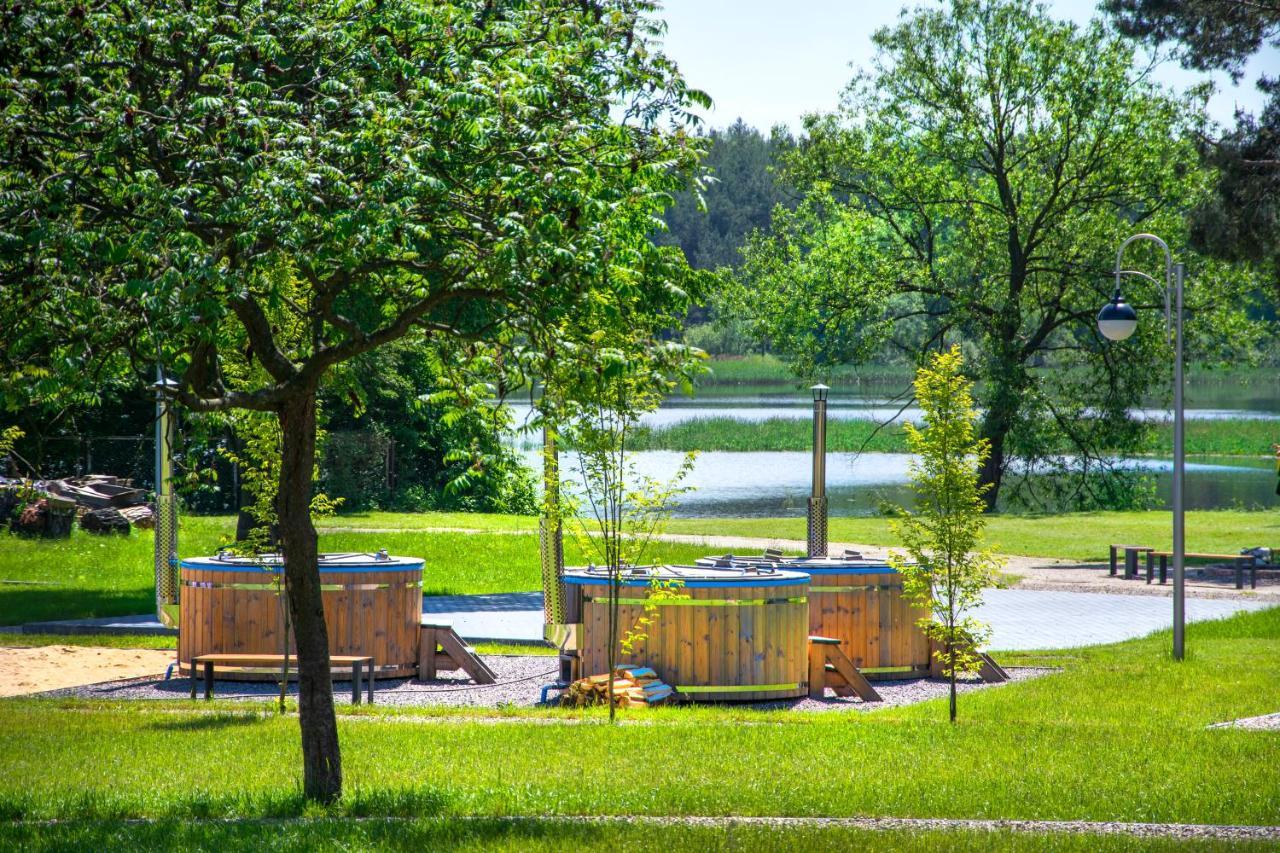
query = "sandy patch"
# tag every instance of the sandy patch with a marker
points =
(34, 670)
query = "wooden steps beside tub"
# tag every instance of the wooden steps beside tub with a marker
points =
(441, 649)
(830, 667)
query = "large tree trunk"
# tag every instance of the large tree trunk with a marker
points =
(1004, 401)
(321, 758)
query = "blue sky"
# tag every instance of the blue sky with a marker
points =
(771, 62)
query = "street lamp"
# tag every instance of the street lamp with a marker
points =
(818, 490)
(1117, 321)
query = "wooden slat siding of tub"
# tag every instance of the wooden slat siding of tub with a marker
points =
(381, 622)
(874, 623)
(714, 644)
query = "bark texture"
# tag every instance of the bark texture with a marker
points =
(321, 758)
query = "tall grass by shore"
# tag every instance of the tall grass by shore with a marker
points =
(1236, 437)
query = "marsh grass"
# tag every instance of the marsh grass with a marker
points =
(1234, 437)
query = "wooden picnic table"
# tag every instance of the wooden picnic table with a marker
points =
(357, 664)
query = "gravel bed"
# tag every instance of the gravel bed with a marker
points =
(1267, 722)
(520, 679)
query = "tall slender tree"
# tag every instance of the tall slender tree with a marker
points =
(253, 194)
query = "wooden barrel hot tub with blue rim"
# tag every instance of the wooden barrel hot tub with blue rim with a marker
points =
(860, 603)
(232, 605)
(735, 634)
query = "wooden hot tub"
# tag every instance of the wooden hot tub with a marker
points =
(860, 603)
(740, 634)
(372, 605)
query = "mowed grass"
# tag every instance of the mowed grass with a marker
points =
(1235, 437)
(1119, 734)
(89, 576)
(1080, 536)
(1075, 536)
(498, 834)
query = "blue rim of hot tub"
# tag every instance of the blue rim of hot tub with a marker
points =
(329, 563)
(811, 567)
(710, 577)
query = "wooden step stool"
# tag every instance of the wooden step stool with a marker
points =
(830, 667)
(440, 648)
(988, 670)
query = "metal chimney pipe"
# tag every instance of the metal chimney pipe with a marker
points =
(818, 493)
(166, 520)
(551, 534)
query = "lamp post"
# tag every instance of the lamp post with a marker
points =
(1117, 321)
(818, 491)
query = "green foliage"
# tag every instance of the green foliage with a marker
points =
(618, 511)
(972, 188)
(711, 225)
(401, 438)
(945, 568)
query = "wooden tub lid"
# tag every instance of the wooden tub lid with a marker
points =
(690, 576)
(225, 561)
(846, 565)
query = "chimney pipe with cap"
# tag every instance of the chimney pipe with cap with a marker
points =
(818, 493)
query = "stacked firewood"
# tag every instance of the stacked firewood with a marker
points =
(633, 687)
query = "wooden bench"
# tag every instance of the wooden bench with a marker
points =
(358, 664)
(1131, 553)
(1241, 562)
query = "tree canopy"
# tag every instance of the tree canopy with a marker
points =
(254, 195)
(973, 188)
(1241, 221)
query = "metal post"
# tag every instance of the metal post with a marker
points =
(818, 491)
(166, 519)
(1179, 480)
(551, 538)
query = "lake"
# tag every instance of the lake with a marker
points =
(765, 484)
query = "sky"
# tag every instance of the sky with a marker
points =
(772, 61)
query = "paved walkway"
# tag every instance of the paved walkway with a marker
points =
(1019, 619)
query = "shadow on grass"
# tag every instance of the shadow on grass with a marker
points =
(206, 722)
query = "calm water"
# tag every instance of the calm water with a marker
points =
(736, 485)
(768, 484)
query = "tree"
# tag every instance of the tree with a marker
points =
(945, 569)
(973, 187)
(742, 190)
(1242, 219)
(620, 511)
(255, 196)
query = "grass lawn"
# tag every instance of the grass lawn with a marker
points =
(1120, 734)
(112, 575)
(1075, 536)
(107, 576)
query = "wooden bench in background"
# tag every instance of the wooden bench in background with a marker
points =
(356, 663)
(1240, 561)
